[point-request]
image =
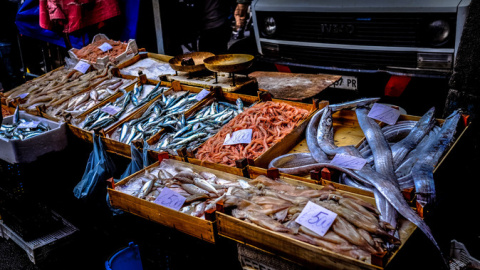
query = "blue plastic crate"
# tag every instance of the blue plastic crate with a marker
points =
(126, 259)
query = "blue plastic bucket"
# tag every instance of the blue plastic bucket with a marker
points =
(126, 259)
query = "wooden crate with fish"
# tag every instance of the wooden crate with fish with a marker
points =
(152, 65)
(185, 139)
(256, 219)
(270, 134)
(18, 95)
(102, 51)
(347, 131)
(200, 188)
(115, 109)
(149, 122)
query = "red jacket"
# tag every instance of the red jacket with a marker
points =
(72, 15)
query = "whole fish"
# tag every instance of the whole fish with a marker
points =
(422, 171)
(194, 190)
(353, 104)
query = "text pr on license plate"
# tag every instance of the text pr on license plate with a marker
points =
(346, 82)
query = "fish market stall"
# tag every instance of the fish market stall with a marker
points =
(176, 194)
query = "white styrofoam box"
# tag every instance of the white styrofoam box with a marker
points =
(28, 150)
(102, 62)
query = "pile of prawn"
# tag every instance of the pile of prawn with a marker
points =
(269, 121)
(91, 52)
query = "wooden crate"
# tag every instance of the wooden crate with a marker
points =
(284, 145)
(347, 131)
(112, 145)
(194, 226)
(300, 252)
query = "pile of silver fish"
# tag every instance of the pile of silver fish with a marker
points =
(202, 190)
(22, 129)
(128, 102)
(196, 129)
(83, 102)
(356, 232)
(399, 156)
(167, 112)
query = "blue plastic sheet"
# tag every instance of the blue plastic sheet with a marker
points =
(99, 168)
(27, 22)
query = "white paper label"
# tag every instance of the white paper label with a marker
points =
(239, 136)
(243, 183)
(384, 113)
(82, 66)
(170, 199)
(105, 47)
(24, 95)
(316, 218)
(349, 162)
(111, 109)
(202, 94)
(32, 124)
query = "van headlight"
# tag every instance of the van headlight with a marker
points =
(438, 32)
(269, 26)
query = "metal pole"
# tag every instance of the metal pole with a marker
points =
(158, 26)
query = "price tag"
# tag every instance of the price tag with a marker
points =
(316, 218)
(170, 199)
(82, 66)
(349, 162)
(384, 113)
(239, 136)
(24, 95)
(32, 124)
(111, 109)
(105, 47)
(202, 94)
(243, 183)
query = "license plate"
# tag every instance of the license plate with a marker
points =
(346, 82)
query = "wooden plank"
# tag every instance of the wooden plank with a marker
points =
(202, 229)
(292, 249)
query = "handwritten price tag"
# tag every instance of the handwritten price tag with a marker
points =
(239, 136)
(349, 162)
(316, 218)
(111, 109)
(202, 94)
(170, 199)
(82, 66)
(384, 113)
(105, 47)
(24, 95)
